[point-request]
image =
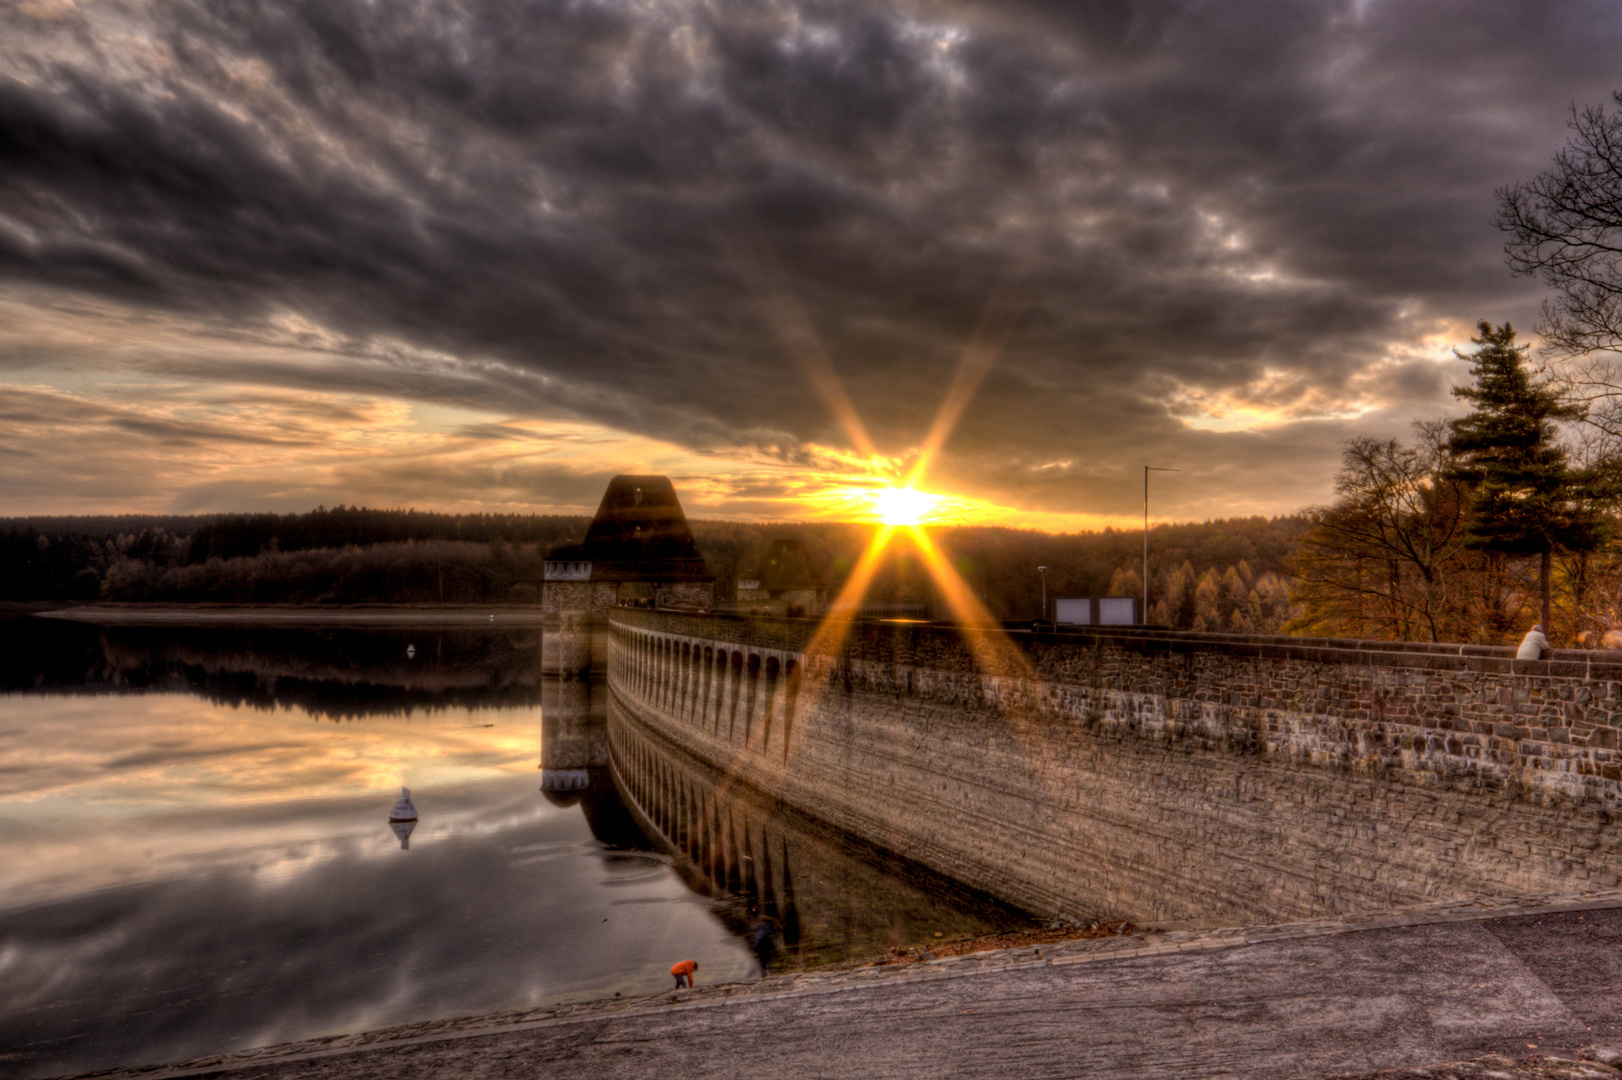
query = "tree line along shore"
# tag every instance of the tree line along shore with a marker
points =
(1218, 575)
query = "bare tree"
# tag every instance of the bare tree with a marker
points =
(1565, 227)
(1382, 560)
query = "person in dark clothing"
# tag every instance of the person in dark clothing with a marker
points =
(763, 940)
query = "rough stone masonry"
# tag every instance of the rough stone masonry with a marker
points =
(1150, 776)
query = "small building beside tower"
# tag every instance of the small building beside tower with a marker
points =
(782, 583)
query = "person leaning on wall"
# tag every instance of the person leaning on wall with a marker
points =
(1534, 646)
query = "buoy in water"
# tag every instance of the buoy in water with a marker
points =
(403, 818)
(411, 651)
(404, 808)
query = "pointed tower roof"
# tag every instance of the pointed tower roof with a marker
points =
(639, 533)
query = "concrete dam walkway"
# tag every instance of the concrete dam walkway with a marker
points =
(1520, 978)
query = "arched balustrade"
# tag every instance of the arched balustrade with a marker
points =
(747, 695)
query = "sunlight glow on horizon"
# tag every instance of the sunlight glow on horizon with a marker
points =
(901, 509)
(903, 506)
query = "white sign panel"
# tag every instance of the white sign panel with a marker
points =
(1117, 611)
(1076, 612)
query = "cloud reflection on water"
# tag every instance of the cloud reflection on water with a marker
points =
(181, 877)
(84, 776)
(343, 933)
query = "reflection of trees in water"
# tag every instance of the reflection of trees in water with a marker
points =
(350, 701)
(334, 673)
(832, 896)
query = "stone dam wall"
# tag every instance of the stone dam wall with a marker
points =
(1153, 776)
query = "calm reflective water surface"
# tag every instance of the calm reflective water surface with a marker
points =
(195, 854)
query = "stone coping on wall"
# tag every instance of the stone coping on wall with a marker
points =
(890, 638)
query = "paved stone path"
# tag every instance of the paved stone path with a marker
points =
(1519, 977)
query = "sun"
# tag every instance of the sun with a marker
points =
(903, 506)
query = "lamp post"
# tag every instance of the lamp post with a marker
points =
(1147, 469)
(1044, 572)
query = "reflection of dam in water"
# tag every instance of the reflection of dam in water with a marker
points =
(574, 761)
(574, 736)
(830, 896)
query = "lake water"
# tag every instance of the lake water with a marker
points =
(195, 854)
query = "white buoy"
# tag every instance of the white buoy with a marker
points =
(411, 652)
(404, 808)
(403, 818)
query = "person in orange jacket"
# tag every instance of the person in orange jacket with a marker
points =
(684, 972)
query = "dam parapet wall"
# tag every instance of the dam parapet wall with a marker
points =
(1157, 776)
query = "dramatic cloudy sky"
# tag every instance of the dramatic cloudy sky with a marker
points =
(487, 253)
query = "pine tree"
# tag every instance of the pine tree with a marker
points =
(1180, 598)
(1524, 496)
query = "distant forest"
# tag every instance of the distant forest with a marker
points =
(1217, 575)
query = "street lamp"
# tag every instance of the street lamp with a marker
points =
(1044, 572)
(1147, 469)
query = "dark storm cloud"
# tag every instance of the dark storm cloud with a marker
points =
(595, 209)
(190, 434)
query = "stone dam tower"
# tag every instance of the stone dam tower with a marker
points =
(639, 550)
